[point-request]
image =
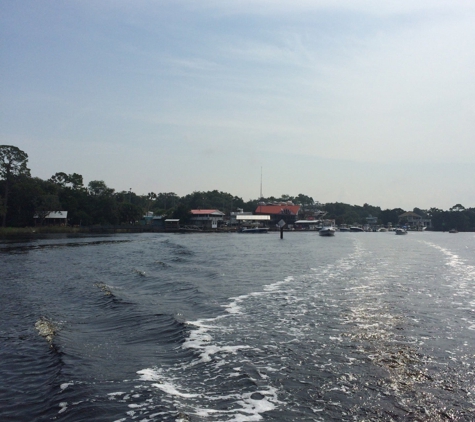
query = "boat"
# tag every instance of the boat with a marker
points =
(254, 230)
(327, 231)
(344, 228)
(356, 229)
(382, 229)
(453, 231)
(401, 231)
(189, 229)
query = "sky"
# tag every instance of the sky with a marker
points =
(354, 101)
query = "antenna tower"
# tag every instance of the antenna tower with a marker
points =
(261, 185)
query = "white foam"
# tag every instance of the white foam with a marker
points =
(150, 374)
(204, 338)
(170, 389)
(118, 393)
(136, 406)
(65, 385)
(63, 406)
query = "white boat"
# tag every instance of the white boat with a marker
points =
(254, 230)
(327, 231)
(401, 231)
(356, 229)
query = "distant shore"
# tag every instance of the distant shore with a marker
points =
(32, 231)
(19, 232)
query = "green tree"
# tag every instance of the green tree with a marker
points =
(25, 195)
(13, 163)
(165, 201)
(286, 197)
(391, 216)
(351, 217)
(422, 213)
(151, 196)
(304, 200)
(3, 210)
(129, 213)
(73, 181)
(99, 188)
(102, 203)
(182, 212)
(46, 204)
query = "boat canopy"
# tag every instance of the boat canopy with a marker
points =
(253, 217)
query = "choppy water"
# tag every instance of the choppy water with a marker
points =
(235, 327)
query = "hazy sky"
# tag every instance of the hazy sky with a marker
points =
(343, 100)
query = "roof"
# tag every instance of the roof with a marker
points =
(253, 217)
(55, 214)
(278, 209)
(172, 220)
(308, 222)
(410, 214)
(206, 212)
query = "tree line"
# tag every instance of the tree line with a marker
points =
(23, 197)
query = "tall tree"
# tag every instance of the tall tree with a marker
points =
(13, 163)
(99, 188)
(72, 181)
(2, 207)
(46, 204)
(457, 207)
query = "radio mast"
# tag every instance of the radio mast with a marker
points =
(261, 185)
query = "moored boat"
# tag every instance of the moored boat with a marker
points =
(401, 231)
(327, 231)
(254, 230)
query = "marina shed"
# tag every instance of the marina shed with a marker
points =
(206, 219)
(52, 218)
(414, 221)
(172, 223)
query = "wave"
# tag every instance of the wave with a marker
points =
(25, 248)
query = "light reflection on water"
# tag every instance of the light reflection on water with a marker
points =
(232, 327)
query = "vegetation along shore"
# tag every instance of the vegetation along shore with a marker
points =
(25, 201)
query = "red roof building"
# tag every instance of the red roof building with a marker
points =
(277, 212)
(277, 209)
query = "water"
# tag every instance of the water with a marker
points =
(235, 327)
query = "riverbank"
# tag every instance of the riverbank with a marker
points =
(31, 231)
(18, 232)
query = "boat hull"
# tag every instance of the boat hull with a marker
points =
(256, 230)
(327, 231)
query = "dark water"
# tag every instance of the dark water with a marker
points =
(235, 327)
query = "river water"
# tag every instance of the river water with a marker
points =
(238, 327)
